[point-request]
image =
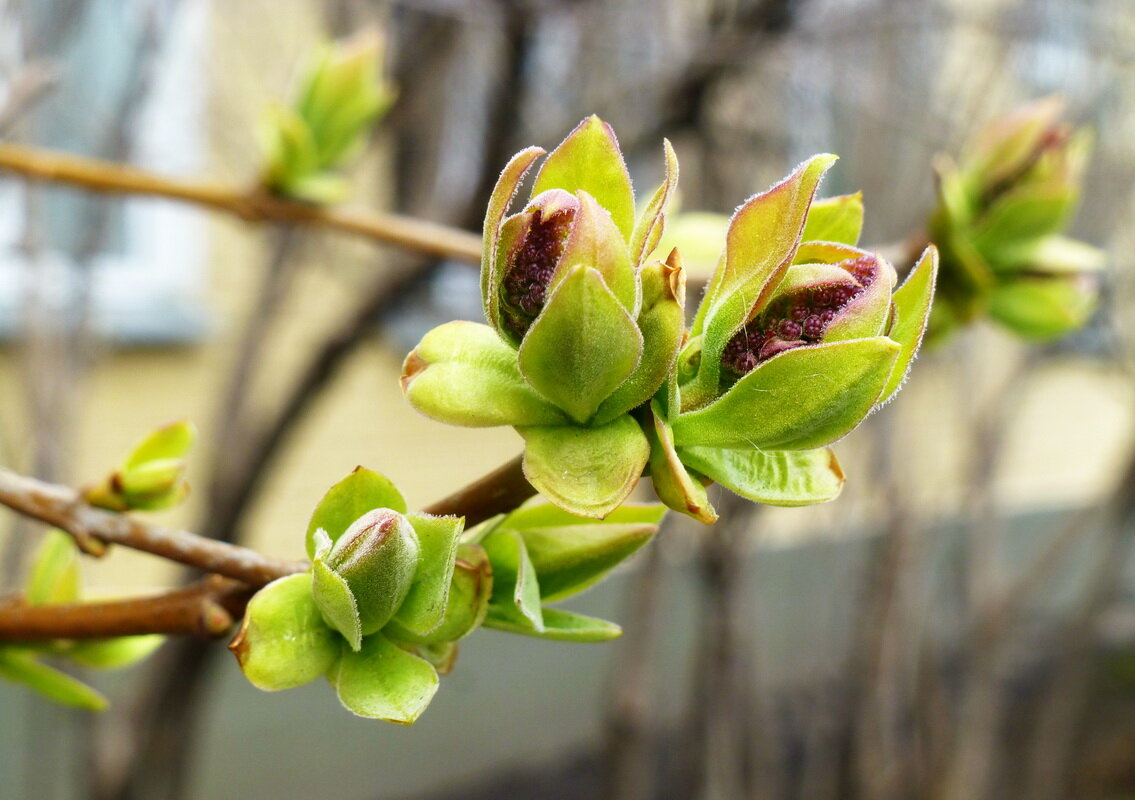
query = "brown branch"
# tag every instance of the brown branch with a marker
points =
(255, 205)
(500, 491)
(208, 608)
(64, 508)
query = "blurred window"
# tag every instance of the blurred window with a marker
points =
(131, 85)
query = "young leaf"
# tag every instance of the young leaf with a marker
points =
(283, 641)
(911, 315)
(563, 626)
(173, 441)
(114, 653)
(516, 588)
(672, 481)
(499, 201)
(54, 575)
(662, 323)
(571, 558)
(589, 159)
(350, 498)
(1042, 308)
(835, 219)
(425, 605)
(587, 471)
(383, 681)
(462, 373)
(467, 603)
(20, 665)
(759, 246)
(582, 346)
(336, 602)
(596, 242)
(649, 229)
(775, 478)
(799, 400)
(549, 515)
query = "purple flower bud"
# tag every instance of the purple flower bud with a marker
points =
(799, 317)
(534, 257)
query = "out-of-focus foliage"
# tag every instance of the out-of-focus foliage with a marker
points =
(1002, 211)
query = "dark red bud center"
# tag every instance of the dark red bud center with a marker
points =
(794, 319)
(531, 266)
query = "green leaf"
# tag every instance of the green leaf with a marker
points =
(1024, 214)
(1060, 255)
(549, 515)
(516, 587)
(424, 607)
(563, 626)
(596, 242)
(21, 666)
(337, 603)
(173, 441)
(350, 498)
(383, 681)
(587, 471)
(774, 477)
(911, 314)
(114, 653)
(662, 323)
(283, 641)
(589, 159)
(1010, 141)
(54, 576)
(570, 559)
(672, 482)
(467, 603)
(583, 345)
(799, 400)
(760, 245)
(649, 228)
(462, 373)
(1043, 308)
(499, 201)
(835, 219)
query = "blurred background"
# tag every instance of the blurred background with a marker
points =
(959, 625)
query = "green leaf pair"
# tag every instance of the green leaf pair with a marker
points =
(582, 329)
(999, 222)
(152, 477)
(541, 553)
(54, 579)
(391, 593)
(379, 612)
(341, 93)
(796, 341)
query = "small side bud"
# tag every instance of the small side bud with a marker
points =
(376, 558)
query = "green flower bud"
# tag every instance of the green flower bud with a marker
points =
(1001, 212)
(152, 477)
(362, 579)
(794, 345)
(340, 94)
(584, 333)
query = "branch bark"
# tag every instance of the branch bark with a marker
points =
(253, 205)
(64, 508)
(208, 608)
